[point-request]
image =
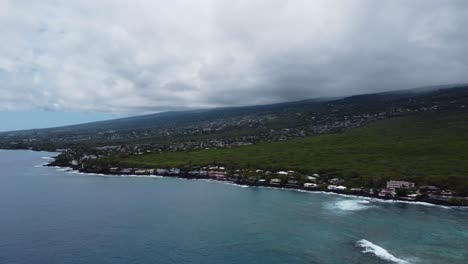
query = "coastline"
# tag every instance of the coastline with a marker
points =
(245, 184)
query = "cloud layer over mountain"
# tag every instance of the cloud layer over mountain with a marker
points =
(140, 56)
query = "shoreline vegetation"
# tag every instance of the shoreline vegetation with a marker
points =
(220, 176)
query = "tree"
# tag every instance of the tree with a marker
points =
(401, 192)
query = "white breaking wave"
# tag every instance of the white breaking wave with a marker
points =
(113, 175)
(42, 165)
(64, 169)
(350, 205)
(47, 158)
(379, 252)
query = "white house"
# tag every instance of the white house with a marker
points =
(275, 181)
(310, 185)
(399, 184)
(341, 188)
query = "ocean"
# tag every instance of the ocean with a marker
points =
(48, 215)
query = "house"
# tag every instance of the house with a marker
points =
(142, 171)
(219, 175)
(262, 181)
(126, 171)
(310, 185)
(335, 181)
(429, 188)
(293, 182)
(282, 173)
(199, 173)
(275, 181)
(331, 187)
(114, 170)
(174, 171)
(387, 192)
(311, 178)
(162, 171)
(446, 193)
(340, 188)
(399, 184)
(356, 190)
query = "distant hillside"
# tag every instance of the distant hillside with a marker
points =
(242, 125)
(428, 148)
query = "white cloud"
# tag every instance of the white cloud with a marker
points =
(124, 56)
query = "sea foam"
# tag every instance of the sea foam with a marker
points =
(350, 205)
(379, 252)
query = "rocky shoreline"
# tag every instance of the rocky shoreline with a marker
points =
(243, 182)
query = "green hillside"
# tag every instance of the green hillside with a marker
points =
(427, 148)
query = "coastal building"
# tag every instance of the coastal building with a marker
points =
(387, 192)
(144, 171)
(400, 184)
(174, 171)
(429, 188)
(293, 182)
(162, 171)
(199, 173)
(336, 187)
(275, 181)
(282, 173)
(311, 178)
(335, 181)
(310, 185)
(219, 175)
(126, 171)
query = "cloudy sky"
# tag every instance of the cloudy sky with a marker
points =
(139, 56)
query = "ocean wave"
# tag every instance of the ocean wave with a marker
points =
(379, 252)
(350, 205)
(47, 158)
(236, 185)
(373, 199)
(63, 169)
(113, 175)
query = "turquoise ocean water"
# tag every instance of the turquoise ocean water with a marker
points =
(48, 215)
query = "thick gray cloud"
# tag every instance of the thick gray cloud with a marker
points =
(139, 56)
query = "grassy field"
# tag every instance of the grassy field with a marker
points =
(427, 148)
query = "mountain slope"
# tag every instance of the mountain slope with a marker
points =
(241, 125)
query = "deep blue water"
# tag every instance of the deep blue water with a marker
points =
(50, 216)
